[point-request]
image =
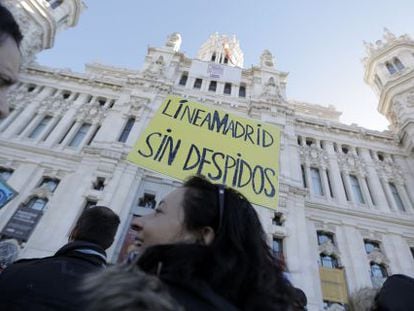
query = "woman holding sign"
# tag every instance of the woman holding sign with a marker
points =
(206, 243)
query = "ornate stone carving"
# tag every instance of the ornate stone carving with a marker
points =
(390, 170)
(328, 248)
(313, 155)
(93, 113)
(155, 69)
(352, 163)
(17, 98)
(377, 257)
(266, 59)
(56, 105)
(174, 41)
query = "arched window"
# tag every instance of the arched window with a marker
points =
(391, 68)
(316, 181)
(271, 81)
(398, 64)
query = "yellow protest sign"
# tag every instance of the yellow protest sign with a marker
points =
(186, 138)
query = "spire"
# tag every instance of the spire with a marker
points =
(222, 49)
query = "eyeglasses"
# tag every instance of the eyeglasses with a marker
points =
(221, 193)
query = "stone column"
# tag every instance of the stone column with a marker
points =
(374, 181)
(347, 184)
(389, 195)
(68, 118)
(365, 192)
(325, 184)
(405, 199)
(71, 133)
(6, 122)
(31, 126)
(49, 129)
(336, 182)
(308, 177)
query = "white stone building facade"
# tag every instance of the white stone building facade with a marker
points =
(346, 201)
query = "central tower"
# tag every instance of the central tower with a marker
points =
(222, 49)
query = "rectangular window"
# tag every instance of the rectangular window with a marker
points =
(397, 197)
(242, 91)
(371, 246)
(127, 129)
(227, 88)
(99, 184)
(5, 173)
(324, 237)
(147, 201)
(356, 189)
(80, 135)
(316, 181)
(412, 251)
(277, 219)
(213, 86)
(40, 127)
(197, 83)
(277, 247)
(183, 79)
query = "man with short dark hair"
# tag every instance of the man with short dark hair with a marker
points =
(52, 283)
(10, 38)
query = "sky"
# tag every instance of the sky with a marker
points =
(318, 42)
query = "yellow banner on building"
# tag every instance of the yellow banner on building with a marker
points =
(186, 138)
(334, 287)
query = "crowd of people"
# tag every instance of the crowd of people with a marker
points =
(203, 248)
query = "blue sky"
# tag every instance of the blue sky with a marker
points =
(319, 42)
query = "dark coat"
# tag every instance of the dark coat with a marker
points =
(50, 283)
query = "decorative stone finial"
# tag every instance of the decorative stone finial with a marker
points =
(174, 41)
(266, 59)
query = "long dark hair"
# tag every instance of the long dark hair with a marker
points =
(238, 264)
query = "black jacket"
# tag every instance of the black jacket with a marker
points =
(50, 283)
(396, 294)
